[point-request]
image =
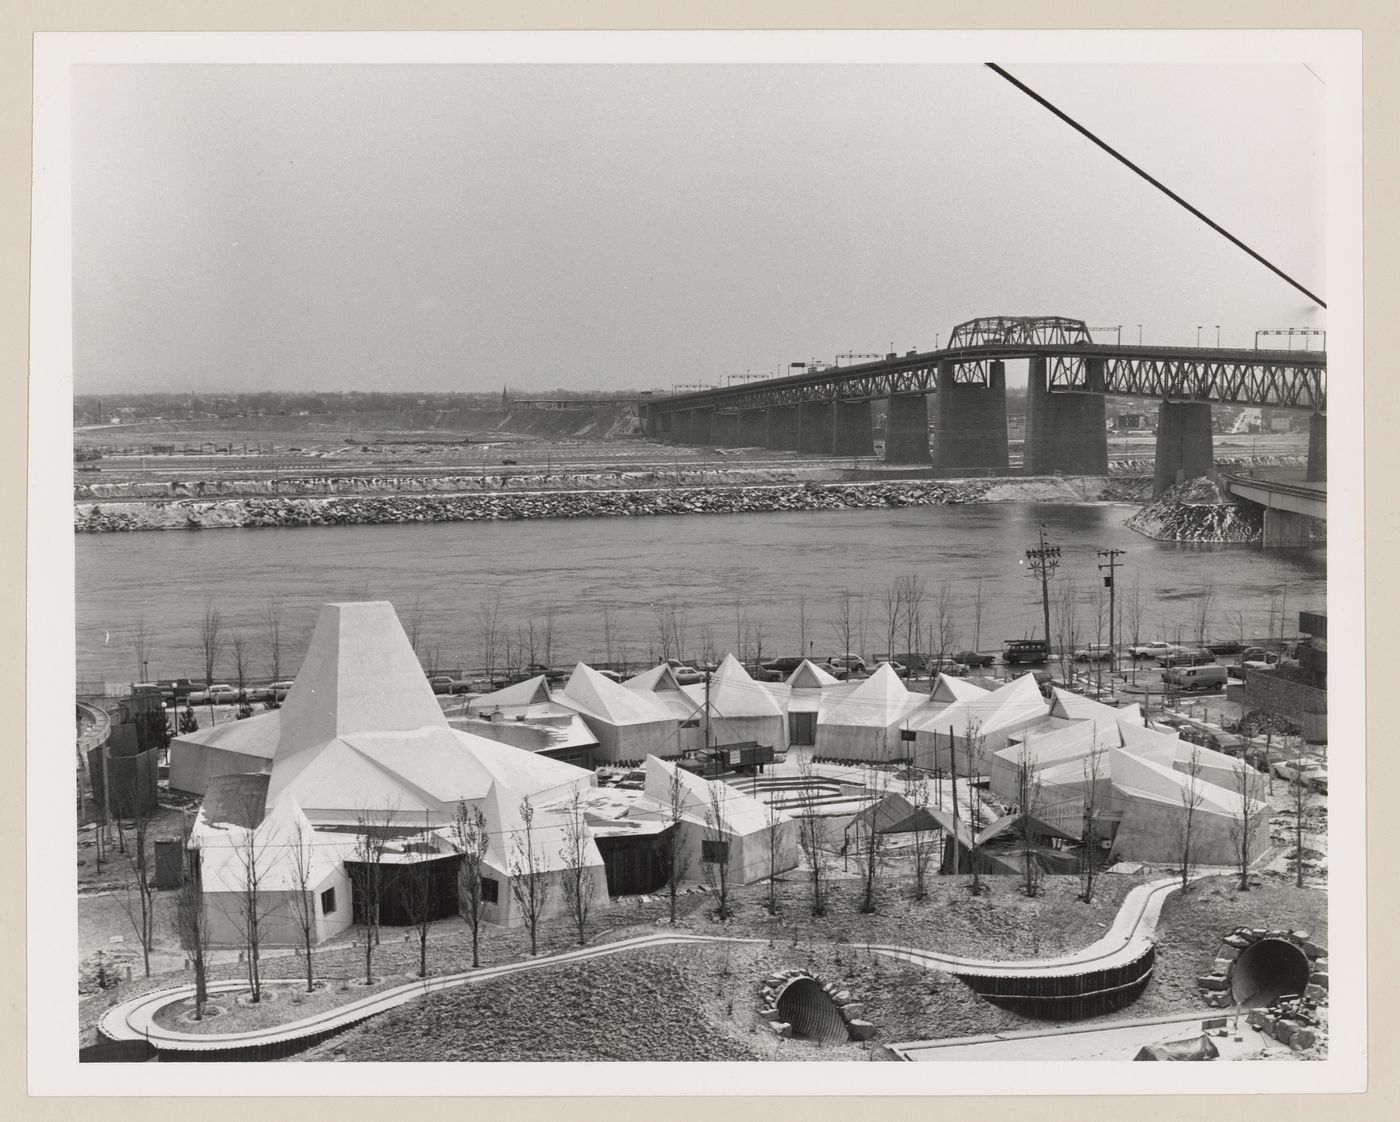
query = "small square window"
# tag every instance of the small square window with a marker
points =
(328, 901)
(714, 852)
(490, 890)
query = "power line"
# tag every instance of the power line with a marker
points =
(1155, 182)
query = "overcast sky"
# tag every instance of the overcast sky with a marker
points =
(611, 227)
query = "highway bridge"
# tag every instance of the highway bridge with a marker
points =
(1289, 500)
(1069, 378)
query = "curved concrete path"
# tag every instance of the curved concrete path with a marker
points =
(1131, 933)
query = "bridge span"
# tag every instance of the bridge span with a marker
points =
(1069, 378)
(1289, 501)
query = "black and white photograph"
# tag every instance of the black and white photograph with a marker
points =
(778, 550)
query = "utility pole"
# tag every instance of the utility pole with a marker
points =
(1111, 565)
(1044, 561)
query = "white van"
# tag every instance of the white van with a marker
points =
(1208, 677)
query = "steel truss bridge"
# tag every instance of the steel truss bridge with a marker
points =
(1280, 379)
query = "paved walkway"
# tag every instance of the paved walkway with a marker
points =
(1130, 935)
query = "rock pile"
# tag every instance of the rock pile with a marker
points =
(1292, 1021)
(628, 503)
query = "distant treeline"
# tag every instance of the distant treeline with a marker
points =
(90, 409)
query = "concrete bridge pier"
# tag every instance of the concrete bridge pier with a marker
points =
(1065, 429)
(681, 423)
(702, 426)
(725, 431)
(970, 426)
(1317, 448)
(1184, 443)
(1283, 529)
(818, 426)
(854, 435)
(906, 429)
(783, 427)
(753, 427)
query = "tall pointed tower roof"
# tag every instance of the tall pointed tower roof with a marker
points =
(360, 675)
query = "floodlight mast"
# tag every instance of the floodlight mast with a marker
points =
(1044, 561)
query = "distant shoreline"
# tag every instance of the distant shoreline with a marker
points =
(400, 508)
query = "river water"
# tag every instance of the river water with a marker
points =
(772, 568)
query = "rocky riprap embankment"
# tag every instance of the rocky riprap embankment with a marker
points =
(373, 510)
(1199, 510)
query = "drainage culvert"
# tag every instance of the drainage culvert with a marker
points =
(800, 1005)
(1254, 967)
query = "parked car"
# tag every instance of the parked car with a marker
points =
(847, 662)
(1157, 648)
(1226, 647)
(1093, 652)
(777, 669)
(897, 667)
(1211, 676)
(445, 683)
(1309, 772)
(280, 690)
(611, 675)
(220, 694)
(687, 675)
(974, 658)
(1187, 656)
(950, 666)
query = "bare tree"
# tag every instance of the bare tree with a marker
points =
(1066, 605)
(303, 899)
(272, 623)
(139, 642)
(529, 874)
(373, 827)
(914, 589)
(470, 833)
(843, 622)
(192, 926)
(250, 848)
(973, 741)
(609, 644)
(417, 890)
(138, 896)
(1191, 798)
(977, 615)
(944, 620)
(1302, 792)
(488, 630)
(774, 823)
(1244, 821)
(211, 645)
(577, 878)
(708, 653)
(241, 657)
(670, 627)
(758, 634)
(872, 851)
(811, 833)
(1089, 837)
(740, 630)
(675, 856)
(715, 850)
(916, 791)
(1205, 603)
(891, 614)
(1028, 798)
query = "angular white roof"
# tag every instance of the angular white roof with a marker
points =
(1078, 707)
(809, 676)
(733, 693)
(879, 701)
(1011, 706)
(608, 701)
(532, 691)
(255, 736)
(952, 689)
(658, 679)
(359, 675)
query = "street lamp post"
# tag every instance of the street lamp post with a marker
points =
(1198, 334)
(1139, 335)
(1217, 336)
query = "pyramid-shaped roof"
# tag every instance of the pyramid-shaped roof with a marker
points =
(733, 693)
(1080, 708)
(532, 691)
(659, 679)
(1008, 707)
(608, 701)
(809, 676)
(879, 701)
(950, 689)
(359, 675)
